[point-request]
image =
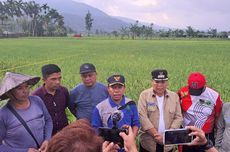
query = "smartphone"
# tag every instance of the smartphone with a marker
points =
(177, 137)
(111, 134)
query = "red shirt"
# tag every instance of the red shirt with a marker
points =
(200, 111)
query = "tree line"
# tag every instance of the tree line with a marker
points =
(148, 32)
(31, 19)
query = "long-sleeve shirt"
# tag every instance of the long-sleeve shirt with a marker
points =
(14, 137)
(56, 105)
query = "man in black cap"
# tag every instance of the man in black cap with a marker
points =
(86, 95)
(55, 96)
(116, 104)
(159, 109)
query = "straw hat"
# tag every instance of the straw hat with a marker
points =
(13, 80)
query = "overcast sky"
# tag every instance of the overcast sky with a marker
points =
(200, 14)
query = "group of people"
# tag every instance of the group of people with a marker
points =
(38, 122)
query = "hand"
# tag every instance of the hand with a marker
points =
(129, 140)
(158, 138)
(200, 136)
(32, 150)
(109, 147)
(44, 146)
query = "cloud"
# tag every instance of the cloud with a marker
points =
(200, 14)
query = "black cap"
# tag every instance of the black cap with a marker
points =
(87, 67)
(116, 79)
(159, 74)
(50, 69)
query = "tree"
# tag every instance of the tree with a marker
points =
(88, 22)
(190, 31)
(135, 30)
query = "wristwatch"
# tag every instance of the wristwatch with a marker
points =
(208, 145)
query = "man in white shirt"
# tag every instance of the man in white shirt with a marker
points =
(159, 109)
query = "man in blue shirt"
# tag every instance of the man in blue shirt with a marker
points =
(85, 96)
(116, 102)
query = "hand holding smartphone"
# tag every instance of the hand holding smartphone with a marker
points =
(177, 137)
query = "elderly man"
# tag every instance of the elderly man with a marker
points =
(54, 95)
(201, 107)
(159, 109)
(85, 96)
(117, 105)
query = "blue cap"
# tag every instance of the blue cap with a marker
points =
(87, 67)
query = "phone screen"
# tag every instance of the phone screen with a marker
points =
(177, 137)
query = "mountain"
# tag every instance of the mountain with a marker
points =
(74, 16)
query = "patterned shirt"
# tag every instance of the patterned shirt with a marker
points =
(200, 111)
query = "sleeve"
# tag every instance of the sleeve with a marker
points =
(67, 97)
(142, 110)
(218, 107)
(178, 116)
(5, 148)
(48, 121)
(135, 119)
(220, 125)
(72, 104)
(96, 119)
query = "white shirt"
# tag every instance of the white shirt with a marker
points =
(160, 101)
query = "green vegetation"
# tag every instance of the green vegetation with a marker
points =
(135, 59)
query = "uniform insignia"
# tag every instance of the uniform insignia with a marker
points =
(161, 75)
(117, 78)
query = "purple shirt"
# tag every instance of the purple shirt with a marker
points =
(56, 105)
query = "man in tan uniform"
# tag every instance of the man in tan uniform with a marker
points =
(159, 109)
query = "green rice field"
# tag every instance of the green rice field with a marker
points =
(135, 59)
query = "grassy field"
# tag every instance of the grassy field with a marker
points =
(135, 59)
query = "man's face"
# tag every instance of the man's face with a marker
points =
(116, 91)
(159, 86)
(21, 92)
(53, 81)
(89, 79)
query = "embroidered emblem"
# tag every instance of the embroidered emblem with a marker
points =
(205, 102)
(161, 75)
(86, 66)
(194, 85)
(117, 78)
(151, 104)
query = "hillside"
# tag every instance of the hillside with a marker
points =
(74, 16)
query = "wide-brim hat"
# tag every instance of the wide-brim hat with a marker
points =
(13, 80)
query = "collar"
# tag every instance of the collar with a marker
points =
(47, 93)
(113, 104)
(166, 94)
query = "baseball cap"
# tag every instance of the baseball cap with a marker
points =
(159, 75)
(116, 79)
(87, 67)
(196, 83)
